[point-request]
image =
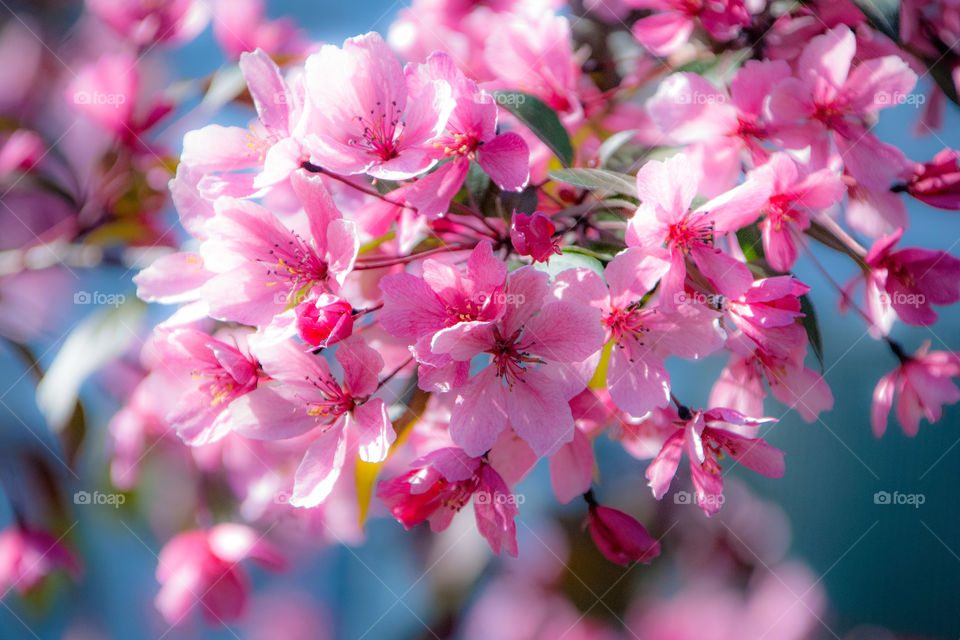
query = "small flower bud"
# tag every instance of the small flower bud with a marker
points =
(532, 235)
(328, 321)
(620, 537)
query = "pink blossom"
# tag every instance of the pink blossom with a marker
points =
(221, 371)
(703, 443)
(21, 150)
(619, 537)
(305, 397)
(144, 22)
(533, 235)
(417, 308)
(19, 41)
(767, 314)
(365, 114)
(716, 127)
(784, 602)
(108, 92)
(873, 212)
(571, 467)
(828, 96)
(740, 385)
(222, 152)
(909, 282)
(532, 52)
(240, 25)
(173, 278)
(201, 570)
(792, 196)
(517, 607)
(937, 183)
(262, 267)
(921, 385)
(28, 555)
(666, 190)
(537, 350)
(669, 28)
(326, 321)
(643, 336)
(427, 26)
(441, 483)
(470, 134)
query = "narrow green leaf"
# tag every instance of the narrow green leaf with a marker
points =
(597, 179)
(612, 144)
(477, 180)
(541, 120)
(100, 337)
(812, 326)
(826, 237)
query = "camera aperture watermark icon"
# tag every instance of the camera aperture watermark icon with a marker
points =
(686, 497)
(99, 298)
(98, 497)
(896, 498)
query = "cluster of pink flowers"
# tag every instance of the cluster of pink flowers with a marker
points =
(436, 259)
(368, 215)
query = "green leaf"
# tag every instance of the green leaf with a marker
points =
(812, 326)
(612, 144)
(826, 237)
(941, 71)
(597, 179)
(525, 202)
(751, 242)
(699, 66)
(477, 181)
(541, 120)
(100, 337)
(570, 259)
(882, 14)
(622, 203)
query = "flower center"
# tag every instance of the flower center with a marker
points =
(779, 211)
(382, 132)
(629, 322)
(829, 114)
(509, 357)
(333, 400)
(296, 265)
(749, 129)
(689, 232)
(219, 385)
(466, 311)
(459, 144)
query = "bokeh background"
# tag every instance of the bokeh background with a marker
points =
(894, 566)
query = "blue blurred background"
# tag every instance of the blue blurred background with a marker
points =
(890, 565)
